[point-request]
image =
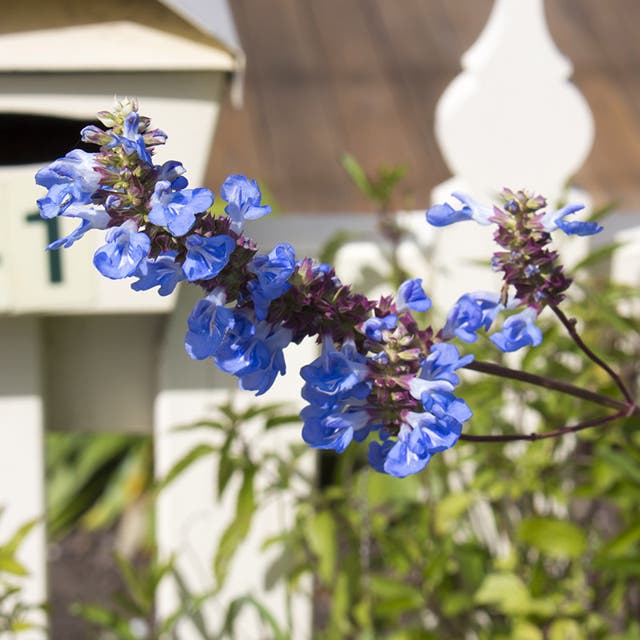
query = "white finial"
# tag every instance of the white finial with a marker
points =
(512, 118)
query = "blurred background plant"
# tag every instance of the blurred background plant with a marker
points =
(16, 615)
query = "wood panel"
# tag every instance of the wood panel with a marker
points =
(364, 76)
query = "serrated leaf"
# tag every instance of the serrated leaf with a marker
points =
(555, 538)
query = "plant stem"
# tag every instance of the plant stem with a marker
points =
(570, 326)
(556, 433)
(548, 383)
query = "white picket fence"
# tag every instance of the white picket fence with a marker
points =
(131, 371)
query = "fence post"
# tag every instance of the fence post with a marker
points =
(21, 454)
(511, 118)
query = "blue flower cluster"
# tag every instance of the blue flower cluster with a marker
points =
(379, 372)
(436, 426)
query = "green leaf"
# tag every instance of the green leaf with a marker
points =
(238, 528)
(622, 544)
(202, 424)
(321, 535)
(506, 592)
(102, 617)
(555, 538)
(13, 544)
(340, 606)
(191, 606)
(358, 176)
(236, 607)
(622, 462)
(565, 629)
(135, 584)
(395, 597)
(278, 421)
(199, 451)
(226, 464)
(449, 509)
(526, 631)
(8, 564)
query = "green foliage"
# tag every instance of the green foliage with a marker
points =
(16, 615)
(531, 541)
(378, 188)
(526, 541)
(92, 479)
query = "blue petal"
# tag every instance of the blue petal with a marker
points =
(442, 215)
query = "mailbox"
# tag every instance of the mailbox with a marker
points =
(60, 63)
(74, 345)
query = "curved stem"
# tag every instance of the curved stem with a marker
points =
(555, 433)
(570, 326)
(547, 383)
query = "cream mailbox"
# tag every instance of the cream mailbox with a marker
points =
(71, 342)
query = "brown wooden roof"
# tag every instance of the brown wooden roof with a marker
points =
(363, 76)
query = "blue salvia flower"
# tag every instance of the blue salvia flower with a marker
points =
(208, 324)
(374, 327)
(173, 171)
(177, 210)
(518, 331)
(71, 181)
(401, 457)
(207, 257)
(91, 217)
(272, 272)
(126, 248)
(424, 433)
(253, 352)
(131, 140)
(553, 220)
(335, 375)
(243, 197)
(336, 387)
(442, 362)
(441, 215)
(411, 296)
(163, 272)
(334, 426)
(470, 313)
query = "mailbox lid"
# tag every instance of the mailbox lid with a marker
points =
(75, 35)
